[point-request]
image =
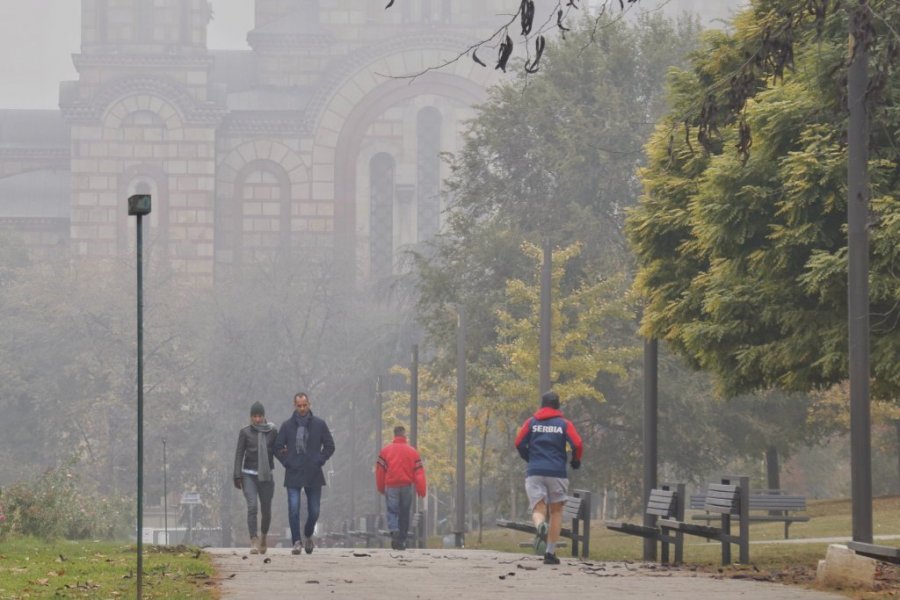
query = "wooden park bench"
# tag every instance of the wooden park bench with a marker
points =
(775, 504)
(726, 499)
(416, 537)
(577, 512)
(883, 553)
(665, 502)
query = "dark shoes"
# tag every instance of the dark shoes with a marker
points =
(396, 543)
(550, 559)
(308, 546)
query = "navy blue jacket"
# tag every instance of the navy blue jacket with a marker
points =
(542, 442)
(304, 469)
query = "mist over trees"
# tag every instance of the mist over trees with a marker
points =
(674, 211)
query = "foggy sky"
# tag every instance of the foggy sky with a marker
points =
(38, 38)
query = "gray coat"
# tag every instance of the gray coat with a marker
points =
(246, 456)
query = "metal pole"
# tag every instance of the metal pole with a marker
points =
(140, 411)
(858, 276)
(379, 408)
(165, 495)
(546, 316)
(414, 398)
(353, 463)
(461, 430)
(414, 410)
(651, 410)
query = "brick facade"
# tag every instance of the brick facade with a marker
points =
(264, 153)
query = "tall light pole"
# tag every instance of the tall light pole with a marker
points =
(165, 495)
(651, 411)
(546, 316)
(461, 430)
(379, 425)
(139, 205)
(858, 275)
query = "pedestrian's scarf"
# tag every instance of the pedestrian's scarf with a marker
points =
(264, 470)
(302, 431)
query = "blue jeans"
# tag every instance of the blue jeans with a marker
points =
(398, 501)
(252, 488)
(313, 499)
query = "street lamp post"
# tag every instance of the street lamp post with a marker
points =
(546, 316)
(139, 205)
(165, 495)
(461, 430)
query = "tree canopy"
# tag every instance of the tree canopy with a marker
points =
(743, 257)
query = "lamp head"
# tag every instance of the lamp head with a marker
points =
(139, 204)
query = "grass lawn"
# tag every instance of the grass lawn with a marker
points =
(31, 568)
(789, 563)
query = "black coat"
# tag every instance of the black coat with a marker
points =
(304, 469)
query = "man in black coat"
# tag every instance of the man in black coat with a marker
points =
(303, 445)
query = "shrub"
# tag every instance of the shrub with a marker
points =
(54, 505)
(4, 522)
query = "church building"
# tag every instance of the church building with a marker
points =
(323, 138)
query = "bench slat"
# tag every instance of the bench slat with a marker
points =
(659, 512)
(884, 553)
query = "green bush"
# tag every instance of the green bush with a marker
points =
(4, 522)
(54, 505)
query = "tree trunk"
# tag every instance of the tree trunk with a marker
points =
(773, 479)
(487, 423)
(897, 427)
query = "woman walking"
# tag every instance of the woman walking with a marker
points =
(253, 465)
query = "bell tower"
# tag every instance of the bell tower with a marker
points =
(271, 11)
(144, 26)
(143, 116)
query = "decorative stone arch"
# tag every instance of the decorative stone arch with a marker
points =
(344, 118)
(261, 163)
(119, 113)
(161, 95)
(145, 178)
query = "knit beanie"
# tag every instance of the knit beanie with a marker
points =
(257, 409)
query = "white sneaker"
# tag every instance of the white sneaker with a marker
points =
(254, 545)
(297, 547)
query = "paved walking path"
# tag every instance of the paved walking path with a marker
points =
(433, 574)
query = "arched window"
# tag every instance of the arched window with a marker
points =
(102, 16)
(428, 173)
(187, 26)
(261, 221)
(143, 23)
(381, 214)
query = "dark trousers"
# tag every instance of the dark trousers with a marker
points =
(264, 490)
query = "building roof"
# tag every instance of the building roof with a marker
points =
(35, 194)
(236, 69)
(33, 128)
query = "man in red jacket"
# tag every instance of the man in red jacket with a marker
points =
(399, 467)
